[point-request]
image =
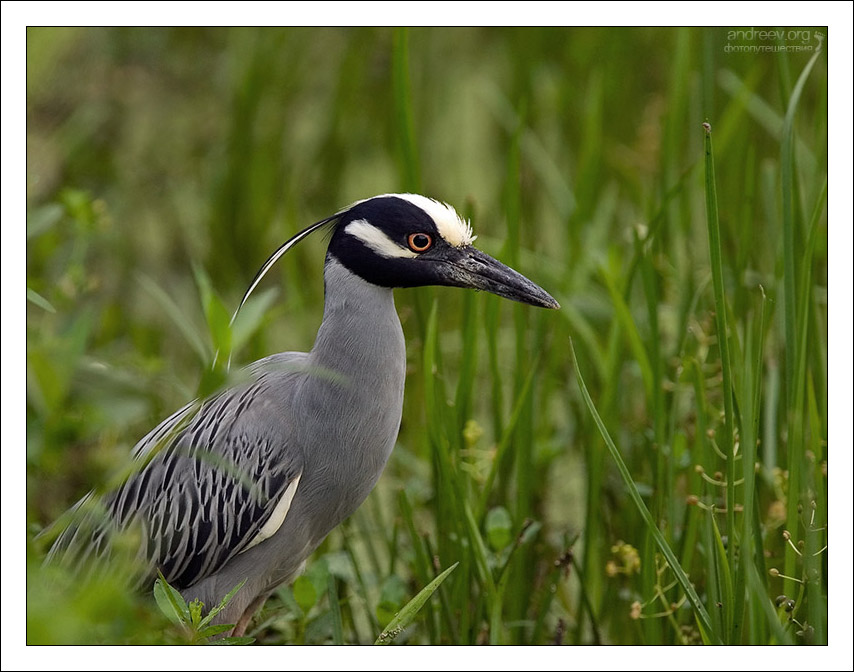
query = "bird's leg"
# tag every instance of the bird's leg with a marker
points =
(240, 628)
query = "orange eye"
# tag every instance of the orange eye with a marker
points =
(420, 242)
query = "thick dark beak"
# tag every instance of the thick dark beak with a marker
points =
(469, 267)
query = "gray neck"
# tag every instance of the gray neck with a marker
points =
(360, 337)
(352, 398)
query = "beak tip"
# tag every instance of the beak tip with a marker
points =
(543, 299)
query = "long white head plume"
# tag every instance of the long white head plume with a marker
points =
(276, 256)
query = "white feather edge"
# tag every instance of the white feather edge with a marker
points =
(272, 526)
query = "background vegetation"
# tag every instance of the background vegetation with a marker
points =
(164, 165)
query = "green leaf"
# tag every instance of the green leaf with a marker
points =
(170, 601)
(195, 608)
(223, 603)
(54, 368)
(216, 314)
(304, 593)
(79, 205)
(179, 316)
(399, 623)
(218, 323)
(43, 218)
(213, 630)
(498, 528)
(36, 298)
(232, 641)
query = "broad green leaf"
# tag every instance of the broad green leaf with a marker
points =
(170, 601)
(304, 593)
(498, 528)
(212, 630)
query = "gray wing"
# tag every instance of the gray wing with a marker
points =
(212, 481)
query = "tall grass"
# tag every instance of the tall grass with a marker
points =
(668, 484)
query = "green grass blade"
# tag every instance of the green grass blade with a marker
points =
(422, 559)
(726, 442)
(772, 619)
(178, 315)
(406, 615)
(505, 441)
(699, 610)
(468, 359)
(35, 298)
(335, 609)
(625, 319)
(816, 535)
(481, 554)
(722, 567)
(794, 381)
(751, 394)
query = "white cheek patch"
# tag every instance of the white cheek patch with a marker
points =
(377, 240)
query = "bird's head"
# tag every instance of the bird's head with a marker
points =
(407, 240)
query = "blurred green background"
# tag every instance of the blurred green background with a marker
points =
(165, 165)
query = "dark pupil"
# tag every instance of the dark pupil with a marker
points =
(420, 240)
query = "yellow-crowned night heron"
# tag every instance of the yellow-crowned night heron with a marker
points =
(248, 485)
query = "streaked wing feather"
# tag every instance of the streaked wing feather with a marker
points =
(211, 482)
